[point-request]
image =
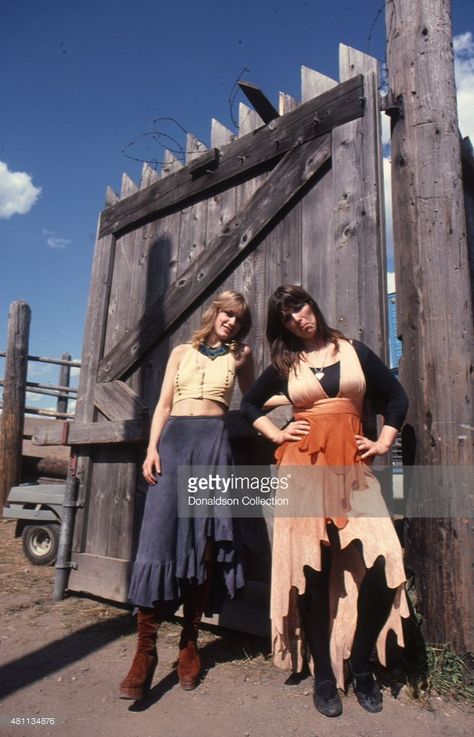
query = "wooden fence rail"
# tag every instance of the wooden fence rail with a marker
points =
(15, 387)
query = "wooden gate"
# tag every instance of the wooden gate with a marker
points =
(294, 200)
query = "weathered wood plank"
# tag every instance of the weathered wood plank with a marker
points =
(249, 276)
(111, 197)
(311, 120)
(221, 207)
(14, 393)
(260, 102)
(92, 350)
(318, 255)
(192, 241)
(468, 188)
(118, 402)
(435, 316)
(292, 173)
(170, 164)
(358, 229)
(165, 235)
(64, 380)
(286, 103)
(109, 578)
(283, 265)
(93, 433)
(149, 175)
(128, 186)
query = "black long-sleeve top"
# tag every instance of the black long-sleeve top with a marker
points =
(382, 387)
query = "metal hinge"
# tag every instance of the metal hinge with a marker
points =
(393, 106)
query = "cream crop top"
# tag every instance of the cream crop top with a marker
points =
(200, 377)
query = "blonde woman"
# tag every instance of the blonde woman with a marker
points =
(179, 560)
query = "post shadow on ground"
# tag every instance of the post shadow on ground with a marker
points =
(45, 661)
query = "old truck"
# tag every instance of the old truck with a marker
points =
(38, 511)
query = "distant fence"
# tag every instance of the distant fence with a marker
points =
(63, 391)
(15, 386)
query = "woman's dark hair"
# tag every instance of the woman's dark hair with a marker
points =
(286, 348)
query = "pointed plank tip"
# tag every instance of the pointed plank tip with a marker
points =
(128, 186)
(286, 103)
(249, 120)
(111, 197)
(314, 83)
(149, 175)
(220, 134)
(194, 147)
(353, 61)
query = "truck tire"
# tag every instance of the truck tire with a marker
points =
(40, 543)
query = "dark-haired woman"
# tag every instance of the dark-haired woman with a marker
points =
(337, 571)
(179, 559)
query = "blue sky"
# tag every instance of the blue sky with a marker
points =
(80, 80)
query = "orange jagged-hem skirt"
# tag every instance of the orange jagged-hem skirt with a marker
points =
(330, 484)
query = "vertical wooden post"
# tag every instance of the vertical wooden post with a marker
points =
(434, 302)
(64, 380)
(14, 392)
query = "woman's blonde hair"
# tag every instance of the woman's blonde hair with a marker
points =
(228, 300)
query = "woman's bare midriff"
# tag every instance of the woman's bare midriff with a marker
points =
(190, 407)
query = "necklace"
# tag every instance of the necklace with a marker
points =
(320, 372)
(213, 353)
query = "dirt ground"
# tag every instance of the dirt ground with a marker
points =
(63, 661)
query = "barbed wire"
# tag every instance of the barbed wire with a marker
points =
(235, 89)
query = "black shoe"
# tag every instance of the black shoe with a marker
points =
(294, 679)
(368, 692)
(326, 699)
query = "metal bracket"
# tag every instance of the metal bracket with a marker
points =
(67, 566)
(73, 505)
(393, 106)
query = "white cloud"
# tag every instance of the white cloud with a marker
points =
(464, 71)
(17, 192)
(53, 241)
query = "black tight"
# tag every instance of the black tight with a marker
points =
(374, 603)
(373, 607)
(314, 613)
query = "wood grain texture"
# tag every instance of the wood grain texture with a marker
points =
(434, 301)
(318, 254)
(314, 119)
(357, 225)
(93, 433)
(14, 393)
(249, 275)
(117, 401)
(295, 169)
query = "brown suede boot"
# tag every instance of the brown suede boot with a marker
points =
(189, 665)
(194, 601)
(136, 683)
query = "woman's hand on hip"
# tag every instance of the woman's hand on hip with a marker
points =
(151, 466)
(370, 448)
(293, 431)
